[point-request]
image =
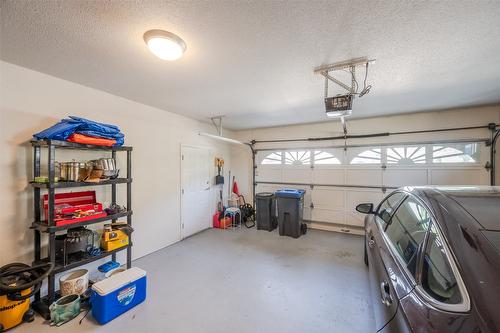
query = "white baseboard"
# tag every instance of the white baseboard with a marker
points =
(342, 228)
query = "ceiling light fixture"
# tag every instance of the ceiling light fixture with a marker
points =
(164, 44)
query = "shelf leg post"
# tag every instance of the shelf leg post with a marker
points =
(36, 209)
(129, 204)
(113, 198)
(50, 221)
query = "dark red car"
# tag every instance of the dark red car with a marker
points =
(434, 259)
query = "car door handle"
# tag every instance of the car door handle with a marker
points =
(385, 293)
(371, 242)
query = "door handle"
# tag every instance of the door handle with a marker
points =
(371, 242)
(385, 293)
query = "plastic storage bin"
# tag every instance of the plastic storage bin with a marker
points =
(117, 294)
(290, 204)
(266, 211)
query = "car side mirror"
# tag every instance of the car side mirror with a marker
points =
(365, 208)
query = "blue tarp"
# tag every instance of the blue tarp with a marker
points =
(63, 129)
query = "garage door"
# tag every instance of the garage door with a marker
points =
(337, 179)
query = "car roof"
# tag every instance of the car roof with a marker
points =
(481, 202)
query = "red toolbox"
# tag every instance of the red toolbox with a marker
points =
(74, 207)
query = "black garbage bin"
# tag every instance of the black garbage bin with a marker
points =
(290, 204)
(266, 211)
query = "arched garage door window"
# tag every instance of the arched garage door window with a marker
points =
(465, 153)
(325, 158)
(392, 155)
(369, 156)
(275, 157)
(406, 155)
(301, 157)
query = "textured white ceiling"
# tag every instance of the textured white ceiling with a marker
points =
(252, 60)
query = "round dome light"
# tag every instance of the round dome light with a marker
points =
(164, 44)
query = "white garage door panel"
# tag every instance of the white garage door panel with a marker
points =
(328, 198)
(402, 177)
(355, 219)
(355, 197)
(364, 177)
(265, 188)
(296, 175)
(268, 174)
(456, 177)
(327, 215)
(453, 163)
(307, 213)
(328, 176)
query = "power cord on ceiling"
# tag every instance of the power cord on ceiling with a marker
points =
(354, 80)
(366, 89)
(355, 84)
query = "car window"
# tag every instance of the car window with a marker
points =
(407, 229)
(438, 279)
(388, 206)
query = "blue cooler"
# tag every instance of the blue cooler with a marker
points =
(117, 294)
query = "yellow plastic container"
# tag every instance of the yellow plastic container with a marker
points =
(114, 239)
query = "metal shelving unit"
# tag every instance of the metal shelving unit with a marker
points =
(48, 227)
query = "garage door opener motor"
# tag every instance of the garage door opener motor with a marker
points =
(340, 106)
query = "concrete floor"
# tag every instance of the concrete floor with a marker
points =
(247, 281)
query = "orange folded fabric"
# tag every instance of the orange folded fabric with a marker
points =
(91, 140)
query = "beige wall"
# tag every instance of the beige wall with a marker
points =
(478, 116)
(32, 101)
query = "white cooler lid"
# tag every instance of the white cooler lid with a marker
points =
(116, 281)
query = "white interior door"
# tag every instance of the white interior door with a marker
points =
(195, 190)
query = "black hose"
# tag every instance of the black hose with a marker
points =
(15, 268)
(247, 213)
(251, 225)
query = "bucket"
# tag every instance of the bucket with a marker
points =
(215, 220)
(64, 309)
(75, 282)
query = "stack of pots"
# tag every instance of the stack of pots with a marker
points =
(108, 166)
(80, 171)
(74, 171)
